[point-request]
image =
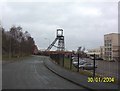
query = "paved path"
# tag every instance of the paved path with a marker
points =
(30, 73)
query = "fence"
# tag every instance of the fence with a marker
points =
(67, 61)
(58, 58)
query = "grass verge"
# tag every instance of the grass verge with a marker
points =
(81, 71)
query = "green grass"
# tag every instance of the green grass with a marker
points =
(13, 58)
(67, 63)
(83, 72)
(67, 66)
(74, 69)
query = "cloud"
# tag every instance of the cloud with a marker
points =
(87, 11)
(83, 23)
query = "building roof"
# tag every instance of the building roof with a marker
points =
(112, 34)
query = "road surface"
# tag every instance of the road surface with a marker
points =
(31, 73)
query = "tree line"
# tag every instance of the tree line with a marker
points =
(16, 43)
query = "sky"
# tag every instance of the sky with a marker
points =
(84, 22)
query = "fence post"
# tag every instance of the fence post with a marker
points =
(63, 59)
(71, 61)
(78, 63)
(94, 66)
(58, 58)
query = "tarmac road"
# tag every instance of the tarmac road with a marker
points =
(31, 73)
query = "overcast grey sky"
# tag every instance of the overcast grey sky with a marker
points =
(84, 23)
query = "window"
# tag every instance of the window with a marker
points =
(110, 44)
(110, 49)
(110, 53)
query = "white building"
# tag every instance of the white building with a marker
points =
(112, 46)
(95, 51)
